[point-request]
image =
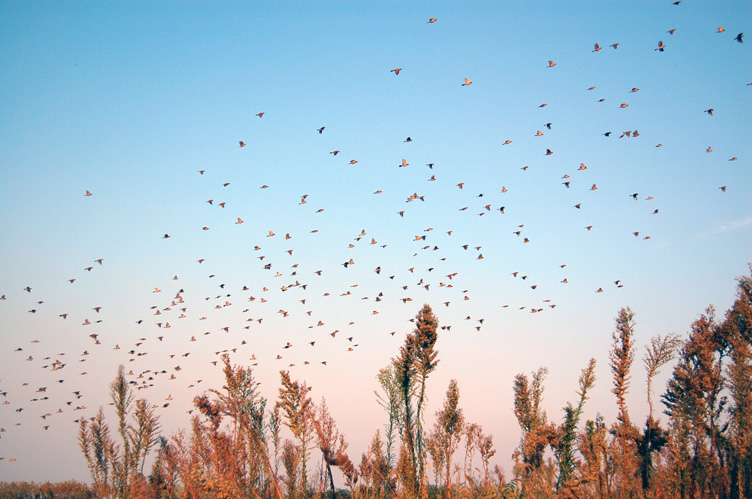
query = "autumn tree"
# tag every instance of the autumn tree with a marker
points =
(595, 470)
(537, 435)
(117, 469)
(737, 328)
(416, 362)
(331, 443)
(660, 352)
(298, 410)
(625, 433)
(447, 434)
(695, 403)
(392, 402)
(565, 445)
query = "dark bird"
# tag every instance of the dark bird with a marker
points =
(739, 37)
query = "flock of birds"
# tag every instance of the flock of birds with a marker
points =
(172, 308)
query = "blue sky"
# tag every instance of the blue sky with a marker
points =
(131, 100)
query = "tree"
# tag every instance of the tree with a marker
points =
(537, 435)
(623, 448)
(661, 351)
(695, 404)
(416, 362)
(299, 413)
(331, 443)
(568, 431)
(738, 329)
(447, 433)
(118, 469)
(392, 402)
(593, 447)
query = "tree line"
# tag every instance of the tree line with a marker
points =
(234, 447)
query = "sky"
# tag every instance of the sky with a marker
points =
(144, 105)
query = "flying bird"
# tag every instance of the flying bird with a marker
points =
(467, 82)
(396, 71)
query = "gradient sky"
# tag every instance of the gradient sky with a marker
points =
(129, 100)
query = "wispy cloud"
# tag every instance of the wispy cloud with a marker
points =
(734, 225)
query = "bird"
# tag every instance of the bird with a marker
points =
(549, 152)
(431, 21)
(661, 46)
(739, 37)
(467, 82)
(709, 111)
(551, 64)
(720, 29)
(321, 130)
(242, 144)
(671, 31)
(596, 48)
(261, 114)
(396, 71)
(614, 45)
(87, 194)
